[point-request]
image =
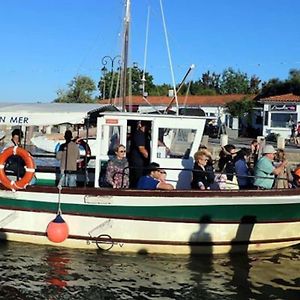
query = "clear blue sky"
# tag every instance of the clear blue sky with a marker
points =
(45, 43)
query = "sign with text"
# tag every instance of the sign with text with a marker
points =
(283, 107)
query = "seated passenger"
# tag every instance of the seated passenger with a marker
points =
(117, 171)
(242, 169)
(265, 171)
(203, 174)
(152, 180)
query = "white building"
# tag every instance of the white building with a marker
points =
(278, 114)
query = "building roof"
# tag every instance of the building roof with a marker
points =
(218, 100)
(286, 98)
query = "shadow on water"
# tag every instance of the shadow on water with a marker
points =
(239, 259)
(200, 261)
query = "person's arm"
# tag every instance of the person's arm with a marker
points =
(280, 168)
(109, 173)
(143, 151)
(60, 152)
(164, 186)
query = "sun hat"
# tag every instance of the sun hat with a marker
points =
(268, 149)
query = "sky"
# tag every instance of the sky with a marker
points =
(46, 43)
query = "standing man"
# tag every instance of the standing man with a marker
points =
(68, 154)
(140, 152)
(265, 171)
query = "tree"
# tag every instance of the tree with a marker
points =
(109, 84)
(240, 108)
(234, 82)
(276, 86)
(80, 91)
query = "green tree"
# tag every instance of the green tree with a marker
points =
(109, 84)
(80, 91)
(276, 86)
(234, 82)
(240, 108)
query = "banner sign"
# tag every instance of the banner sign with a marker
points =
(283, 107)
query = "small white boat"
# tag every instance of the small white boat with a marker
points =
(52, 145)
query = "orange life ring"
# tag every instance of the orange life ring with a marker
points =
(29, 168)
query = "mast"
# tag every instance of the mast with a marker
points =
(125, 55)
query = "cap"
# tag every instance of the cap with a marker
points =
(153, 167)
(268, 149)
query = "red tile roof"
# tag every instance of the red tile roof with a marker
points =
(219, 100)
(282, 98)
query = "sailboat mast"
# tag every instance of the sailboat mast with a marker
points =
(125, 54)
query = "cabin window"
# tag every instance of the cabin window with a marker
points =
(114, 138)
(281, 120)
(175, 142)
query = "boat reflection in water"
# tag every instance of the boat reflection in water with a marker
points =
(41, 272)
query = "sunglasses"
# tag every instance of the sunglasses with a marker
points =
(122, 151)
(162, 172)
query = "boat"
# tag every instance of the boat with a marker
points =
(51, 145)
(180, 221)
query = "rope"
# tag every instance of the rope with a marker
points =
(169, 55)
(59, 212)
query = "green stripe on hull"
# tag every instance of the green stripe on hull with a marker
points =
(45, 182)
(213, 213)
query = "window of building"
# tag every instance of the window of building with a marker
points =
(282, 120)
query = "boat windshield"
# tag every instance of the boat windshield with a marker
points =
(177, 141)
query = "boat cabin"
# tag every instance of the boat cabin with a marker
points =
(173, 142)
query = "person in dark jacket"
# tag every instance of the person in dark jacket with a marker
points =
(242, 169)
(203, 174)
(226, 161)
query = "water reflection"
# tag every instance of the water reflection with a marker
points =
(37, 272)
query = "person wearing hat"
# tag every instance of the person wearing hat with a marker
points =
(152, 180)
(68, 154)
(265, 171)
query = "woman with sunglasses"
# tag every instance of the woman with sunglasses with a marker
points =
(117, 171)
(203, 175)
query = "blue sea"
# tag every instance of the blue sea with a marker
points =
(40, 272)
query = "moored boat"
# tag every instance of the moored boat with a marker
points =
(181, 221)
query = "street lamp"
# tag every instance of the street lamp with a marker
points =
(104, 72)
(110, 61)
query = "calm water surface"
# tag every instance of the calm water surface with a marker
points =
(39, 272)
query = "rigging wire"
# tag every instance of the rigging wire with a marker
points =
(145, 52)
(169, 54)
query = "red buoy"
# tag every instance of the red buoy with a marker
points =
(57, 230)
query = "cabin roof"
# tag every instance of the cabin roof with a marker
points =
(39, 114)
(203, 100)
(142, 116)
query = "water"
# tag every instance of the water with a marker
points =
(40, 272)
